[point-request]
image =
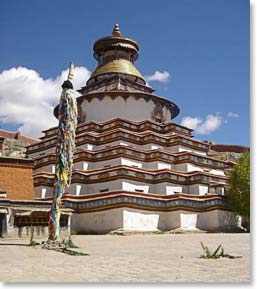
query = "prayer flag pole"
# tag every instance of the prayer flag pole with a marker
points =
(65, 147)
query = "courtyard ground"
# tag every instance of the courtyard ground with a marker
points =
(133, 258)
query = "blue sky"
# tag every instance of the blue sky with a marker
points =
(202, 44)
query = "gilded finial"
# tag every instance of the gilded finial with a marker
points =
(116, 31)
(71, 71)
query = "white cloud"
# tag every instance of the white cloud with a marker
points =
(200, 126)
(158, 76)
(233, 115)
(26, 99)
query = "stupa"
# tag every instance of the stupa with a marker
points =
(134, 168)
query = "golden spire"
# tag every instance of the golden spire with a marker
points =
(116, 31)
(122, 52)
(71, 71)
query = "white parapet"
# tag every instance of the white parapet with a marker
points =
(130, 163)
(134, 188)
(171, 190)
(161, 166)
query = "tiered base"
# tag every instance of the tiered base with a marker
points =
(130, 219)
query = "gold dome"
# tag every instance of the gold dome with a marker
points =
(116, 54)
(117, 66)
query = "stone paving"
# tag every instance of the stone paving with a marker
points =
(133, 258)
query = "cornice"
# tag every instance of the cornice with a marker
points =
(16, 162)
(118, 193)
(125, 135)
(140, 126)
(123, 120)
(120, 151)
(124, 199)
(131, 173)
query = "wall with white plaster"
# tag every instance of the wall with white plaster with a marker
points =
(198, 189)
(107, 108)
(128, 186)
(141, 220)
(98, 222)
(173, 189)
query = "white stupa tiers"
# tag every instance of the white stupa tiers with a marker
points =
(134, 169)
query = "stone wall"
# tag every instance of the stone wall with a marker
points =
(226, 152)
(13, 144)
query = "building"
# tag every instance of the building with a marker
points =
(19, 212)
(227, 152)
(13, 144)
(134, 168)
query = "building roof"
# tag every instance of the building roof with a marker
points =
(116, 54)
(18, 136)
(16, 161)
(229, 148)
(117, 66)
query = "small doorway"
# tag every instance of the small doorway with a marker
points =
(3, 225)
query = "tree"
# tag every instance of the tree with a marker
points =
(238, 190)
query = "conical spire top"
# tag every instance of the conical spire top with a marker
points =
(116, 54)
(116, 31)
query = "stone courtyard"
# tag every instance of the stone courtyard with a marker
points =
(131, 258)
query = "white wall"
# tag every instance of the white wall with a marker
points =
(100, 222)
(140, 221)
(164, 188)
(171, 190)
(78, 190)
(161, 166)
(192, 168)
(155, 147)
(115, 185)
(89, 189)
(188, 221)
(197, 189)
(107, 108)
(128, 186)
(217, 172)
(182, 148)
(130, 163)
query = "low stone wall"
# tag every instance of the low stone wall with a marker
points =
(34, 223)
